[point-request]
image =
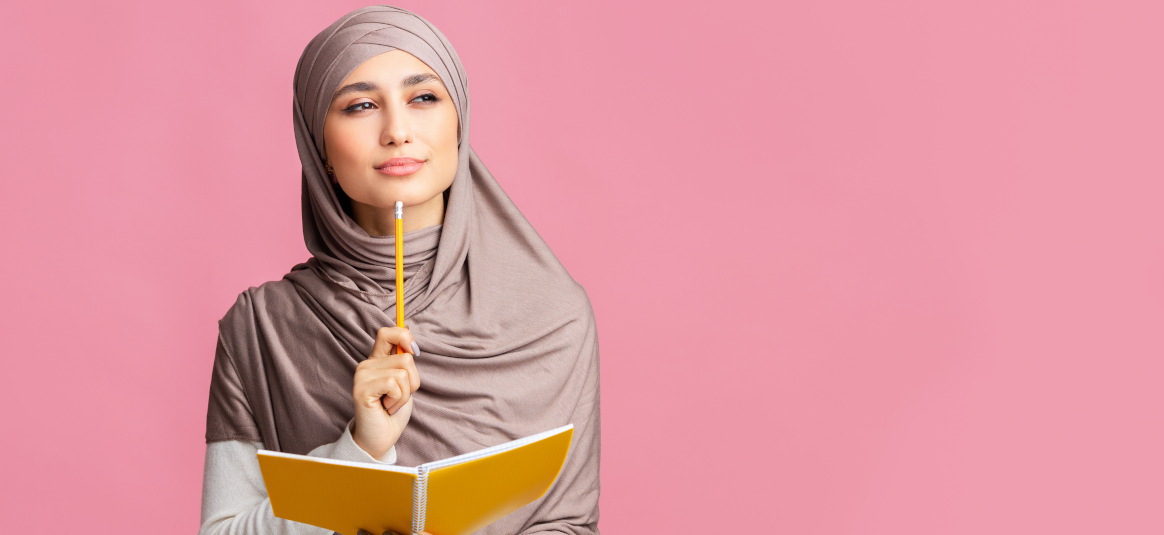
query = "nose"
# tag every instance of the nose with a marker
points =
(398, 128)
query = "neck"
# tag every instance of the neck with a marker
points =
(377, 221)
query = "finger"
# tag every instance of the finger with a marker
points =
(402, 361)
(401, 379)
(370, 382)
(384, 342)
(387, 388)
(407, 362)
(373, 378)
(375, 384)
(387, 337)
(403, 414)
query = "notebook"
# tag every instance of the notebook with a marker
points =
(453, 496)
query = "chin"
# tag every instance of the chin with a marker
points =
(388, 200)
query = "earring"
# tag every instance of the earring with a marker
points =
(330, 173)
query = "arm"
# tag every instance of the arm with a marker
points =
(234, 499)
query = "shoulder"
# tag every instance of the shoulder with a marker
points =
(581, 301)
(258, 298)
(569, 302)
(242, 319)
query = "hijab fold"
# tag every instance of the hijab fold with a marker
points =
(508, 342)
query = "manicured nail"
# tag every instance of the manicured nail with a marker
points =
(415, 349)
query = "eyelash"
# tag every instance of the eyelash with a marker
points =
(355, 108)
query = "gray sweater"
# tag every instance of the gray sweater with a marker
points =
(234, 499)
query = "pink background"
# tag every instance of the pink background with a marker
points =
(890, 267)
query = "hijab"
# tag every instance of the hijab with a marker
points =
(508, 345)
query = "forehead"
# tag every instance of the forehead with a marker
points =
(391, 66)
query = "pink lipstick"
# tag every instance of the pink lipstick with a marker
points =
(400, 166)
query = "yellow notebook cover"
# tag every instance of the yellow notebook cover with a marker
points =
(454, 496)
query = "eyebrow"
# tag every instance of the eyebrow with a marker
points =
(360, 87)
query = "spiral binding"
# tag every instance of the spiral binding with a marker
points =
(419, 499)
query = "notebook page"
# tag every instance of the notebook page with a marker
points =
(467, 493)
(342, 496)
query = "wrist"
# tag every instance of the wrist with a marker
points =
(369, 447)
(345, 448)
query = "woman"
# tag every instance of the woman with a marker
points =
(500, 341)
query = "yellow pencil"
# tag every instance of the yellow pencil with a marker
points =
(399, 267)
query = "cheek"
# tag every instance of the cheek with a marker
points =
(451, 136)
(446, 144)
(345, 146)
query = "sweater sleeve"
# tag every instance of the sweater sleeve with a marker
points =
(234, 498)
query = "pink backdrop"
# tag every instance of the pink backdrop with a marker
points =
(890, 267)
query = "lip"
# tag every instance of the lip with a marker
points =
(400, 166)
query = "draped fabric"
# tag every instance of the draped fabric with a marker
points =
(508, 341)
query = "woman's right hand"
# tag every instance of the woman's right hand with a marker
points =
(382, 392)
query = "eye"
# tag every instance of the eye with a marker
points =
(427, 97)
(359, 106)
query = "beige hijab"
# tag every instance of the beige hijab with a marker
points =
(507, 337)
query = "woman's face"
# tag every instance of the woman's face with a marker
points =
(390, 133)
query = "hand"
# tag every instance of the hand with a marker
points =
(382, 392)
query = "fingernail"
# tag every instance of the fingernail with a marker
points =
(362, 532)
(415, 349)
